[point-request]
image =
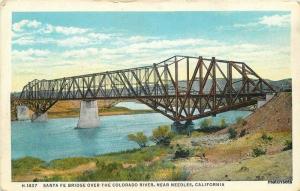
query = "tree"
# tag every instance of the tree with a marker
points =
(162, 135)
(232, 133)
(140, 138)
(239, 119)
(223, 123)
(206, 123)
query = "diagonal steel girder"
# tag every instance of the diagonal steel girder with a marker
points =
(167, 87)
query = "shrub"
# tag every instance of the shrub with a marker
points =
(25, 165)
(210, 129)
(139, 138)
(265, 137)
(179, 175)
(181, 153)
(206, 123)
(223, 123)
(288, 145)
(162, 135)
(240, 120)
(258, 151)
(244, 169)
(115, 171)
(232, 133)
(243, 133)
(68, 163)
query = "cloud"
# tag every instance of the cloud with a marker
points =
(275, 20)
(32, 40)
(99, 36)
(268, 21)
(25, 40)
(33, 55)
(31, 52)
(70, 30)
(73, 41)
(68, 49)
(71, 62)
(148, 47)
(158, 44)
(23, 24)
(81, 53)
(33, 32)
(48, 29)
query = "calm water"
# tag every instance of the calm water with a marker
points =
(57, 138)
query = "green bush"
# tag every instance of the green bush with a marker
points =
(68, 163)
(210, 129)
(206, 123)
(116, 172)
(265, 137)
(25, 165)
(232, 133)
(288, 145)
(243, 133)
(223, 123)
(140, 138)
(162, 135)
(258, 151)
(180, 175)
(181, 153)
(55, 178)
(240, 120)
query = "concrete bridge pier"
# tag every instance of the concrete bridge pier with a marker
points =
(181, 128)
(88, 114)
(39, 118)
(177, 125)
(189, 125)
(22, 113)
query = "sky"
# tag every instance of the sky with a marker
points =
(48, 45)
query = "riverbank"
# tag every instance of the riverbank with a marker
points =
(71, 108)
(114, 110)
(157, 163)
(258, 147)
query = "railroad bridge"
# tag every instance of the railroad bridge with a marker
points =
(182, 88)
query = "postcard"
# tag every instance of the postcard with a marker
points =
(183, 95)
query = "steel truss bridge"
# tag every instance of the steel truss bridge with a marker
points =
(182, 88)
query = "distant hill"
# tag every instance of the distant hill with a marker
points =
(281, 84)
(278, 85)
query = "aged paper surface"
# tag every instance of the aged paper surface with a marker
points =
(14, 74)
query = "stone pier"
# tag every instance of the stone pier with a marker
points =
(182, 128)
(39, 118)
(22, 113)
(88, 115)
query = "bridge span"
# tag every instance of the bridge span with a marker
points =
(183, 88)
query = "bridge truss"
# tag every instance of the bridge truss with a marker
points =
(182, 88)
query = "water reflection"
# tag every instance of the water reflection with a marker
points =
(88, 135)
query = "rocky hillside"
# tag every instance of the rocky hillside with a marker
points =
(261, 152)
(274, 116)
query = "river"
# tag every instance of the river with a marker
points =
(58, 138)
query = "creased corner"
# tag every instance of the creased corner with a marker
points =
(2, 4)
